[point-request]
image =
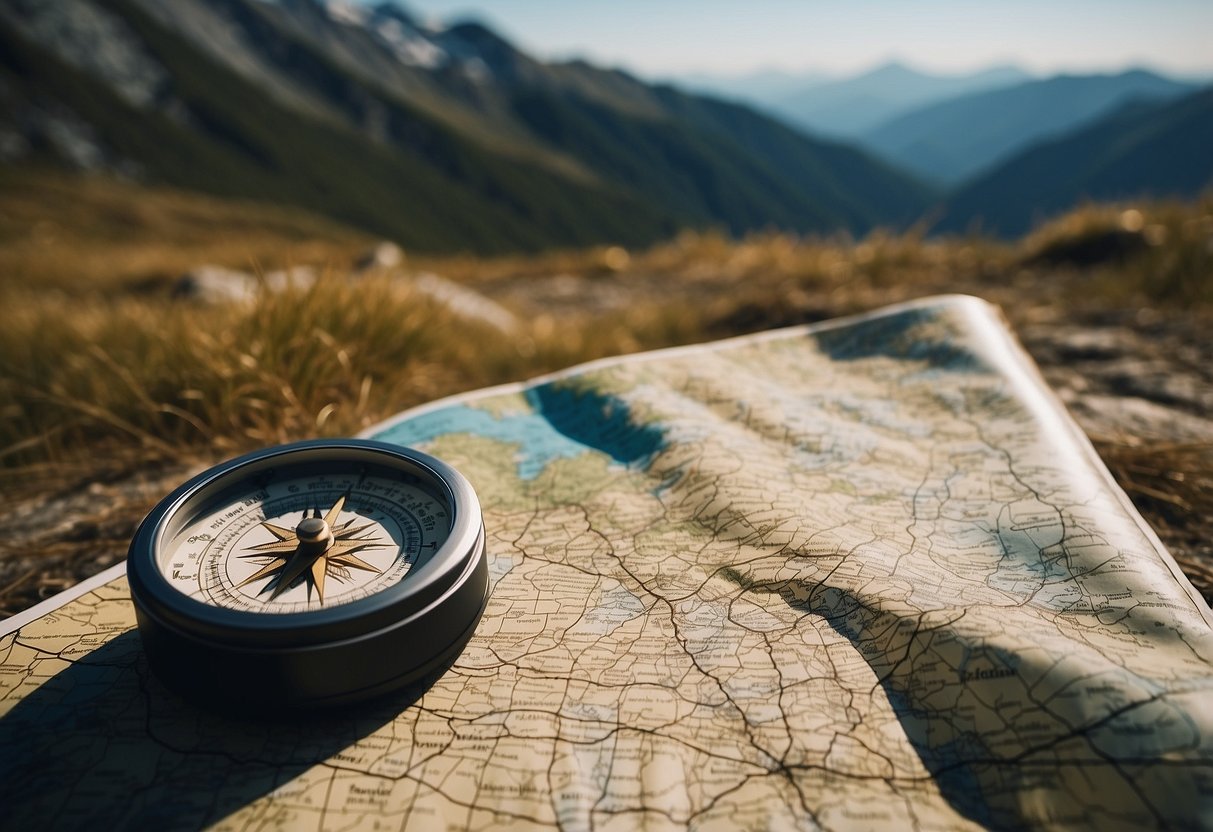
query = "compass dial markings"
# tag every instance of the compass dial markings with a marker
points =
(381, 526)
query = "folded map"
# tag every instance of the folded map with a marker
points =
(861, 574)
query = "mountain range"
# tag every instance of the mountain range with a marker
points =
(440, 138)
(1145, 148)
(451, 138)
(851, 107)
(945, 129)
(953, 140)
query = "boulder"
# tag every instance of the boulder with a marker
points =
(209, 284)
(382, 257)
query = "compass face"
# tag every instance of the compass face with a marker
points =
(243, 550)
(310, 574)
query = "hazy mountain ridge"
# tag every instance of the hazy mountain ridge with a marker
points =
(760, 87)
(465, 141)
(950, 128)
(1144, 149)
(1014, 156)
(954, 140)
(849, 107)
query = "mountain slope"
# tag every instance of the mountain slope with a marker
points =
(706, 160)
(864, 191)
(1144, 149)
(850, 107)
(231, 139)
(953, 140)
(438, 138)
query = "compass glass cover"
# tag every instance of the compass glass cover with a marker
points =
(302, 538)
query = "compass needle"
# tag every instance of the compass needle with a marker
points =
(278, 531)
(319, 569)
(272, 546)
(299, 563)
(335, 511)
(354, 561)
(273, 565)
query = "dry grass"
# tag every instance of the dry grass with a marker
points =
(163, 380)
(1158, 254)
(1172, 485)
(103, 374)
(98, 364)
(89, 235)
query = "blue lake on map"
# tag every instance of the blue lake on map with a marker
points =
(565, 424)
(539, 443)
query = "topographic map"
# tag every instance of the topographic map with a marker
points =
(866, 574)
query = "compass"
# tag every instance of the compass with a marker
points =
(316, 573)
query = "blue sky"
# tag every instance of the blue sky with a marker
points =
(663, 37)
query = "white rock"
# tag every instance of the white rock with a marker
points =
(211, 284)
(385, 255)
(465, 302)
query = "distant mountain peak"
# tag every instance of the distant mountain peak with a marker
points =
(1138, 73)
(409, 41)
(897, 69)
(395, 11)
(1144, 148)
(851, 106)
(894, 68)
(481, 49)
(346, 11)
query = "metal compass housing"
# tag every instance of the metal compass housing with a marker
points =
(309, 574)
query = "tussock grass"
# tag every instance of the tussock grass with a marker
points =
(167, 379)
(1157, 253)
(88, 363)
(167, 376)
(1172, 484)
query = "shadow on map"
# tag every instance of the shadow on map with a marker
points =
(946, 741)
(103, 745)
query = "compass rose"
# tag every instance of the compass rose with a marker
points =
(316, 548)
